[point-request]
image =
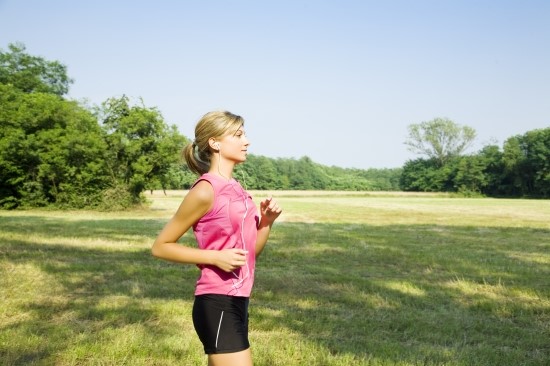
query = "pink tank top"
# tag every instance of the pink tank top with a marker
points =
(231, 223)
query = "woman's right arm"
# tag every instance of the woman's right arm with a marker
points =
(196, 204)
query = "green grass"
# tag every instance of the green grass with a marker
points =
(345, 280)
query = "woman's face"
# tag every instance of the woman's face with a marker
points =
(234, 146)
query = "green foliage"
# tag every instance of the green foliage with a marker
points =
(31, 73)
(177, 177)
(259, 172)
(56, 152)
(426, 175)
(526, 160)
(492, 157)
(470, 175)
(118, 198)
(141, 147)
(51, 151)
(522, 169)
(440, 139)
(263, 173)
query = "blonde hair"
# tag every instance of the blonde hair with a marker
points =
(214, 124)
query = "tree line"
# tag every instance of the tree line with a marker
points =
(520, 169)
(56, 152)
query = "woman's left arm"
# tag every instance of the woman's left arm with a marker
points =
(269, 211)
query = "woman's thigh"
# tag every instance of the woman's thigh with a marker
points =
(242, 358)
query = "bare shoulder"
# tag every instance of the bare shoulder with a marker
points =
(202, 192)
(199, 200)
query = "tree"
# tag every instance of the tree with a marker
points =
(494, 170)
(141, 147)
(537, 146)
(258, 172)
(470, 176)
(168, 156)
(178, 176)
(425, 175)
(440, 139)
(527, 164)
(31, 73)
(51, 152)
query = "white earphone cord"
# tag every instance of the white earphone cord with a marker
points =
(238, 284)
(243, 242)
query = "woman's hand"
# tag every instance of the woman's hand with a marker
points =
(229, 260)
(269, 210)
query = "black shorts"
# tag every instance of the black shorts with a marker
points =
(221, 323)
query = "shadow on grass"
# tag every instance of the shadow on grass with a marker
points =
(94, 289)
(412, 294)
(420, 294)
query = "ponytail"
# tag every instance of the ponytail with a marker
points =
(198, 161)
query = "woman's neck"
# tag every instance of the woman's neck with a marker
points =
(223, 173)
(222, 167)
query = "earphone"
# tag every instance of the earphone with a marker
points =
(244, 271)
(238, 284)
(217, 146)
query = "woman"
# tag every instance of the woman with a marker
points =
(230, 234)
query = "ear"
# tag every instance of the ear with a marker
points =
(213, 143)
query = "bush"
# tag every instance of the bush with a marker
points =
(117, 198)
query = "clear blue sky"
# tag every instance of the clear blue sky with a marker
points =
(338, 81)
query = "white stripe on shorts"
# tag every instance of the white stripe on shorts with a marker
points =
(219, 326)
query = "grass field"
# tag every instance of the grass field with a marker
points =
(346, 279)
